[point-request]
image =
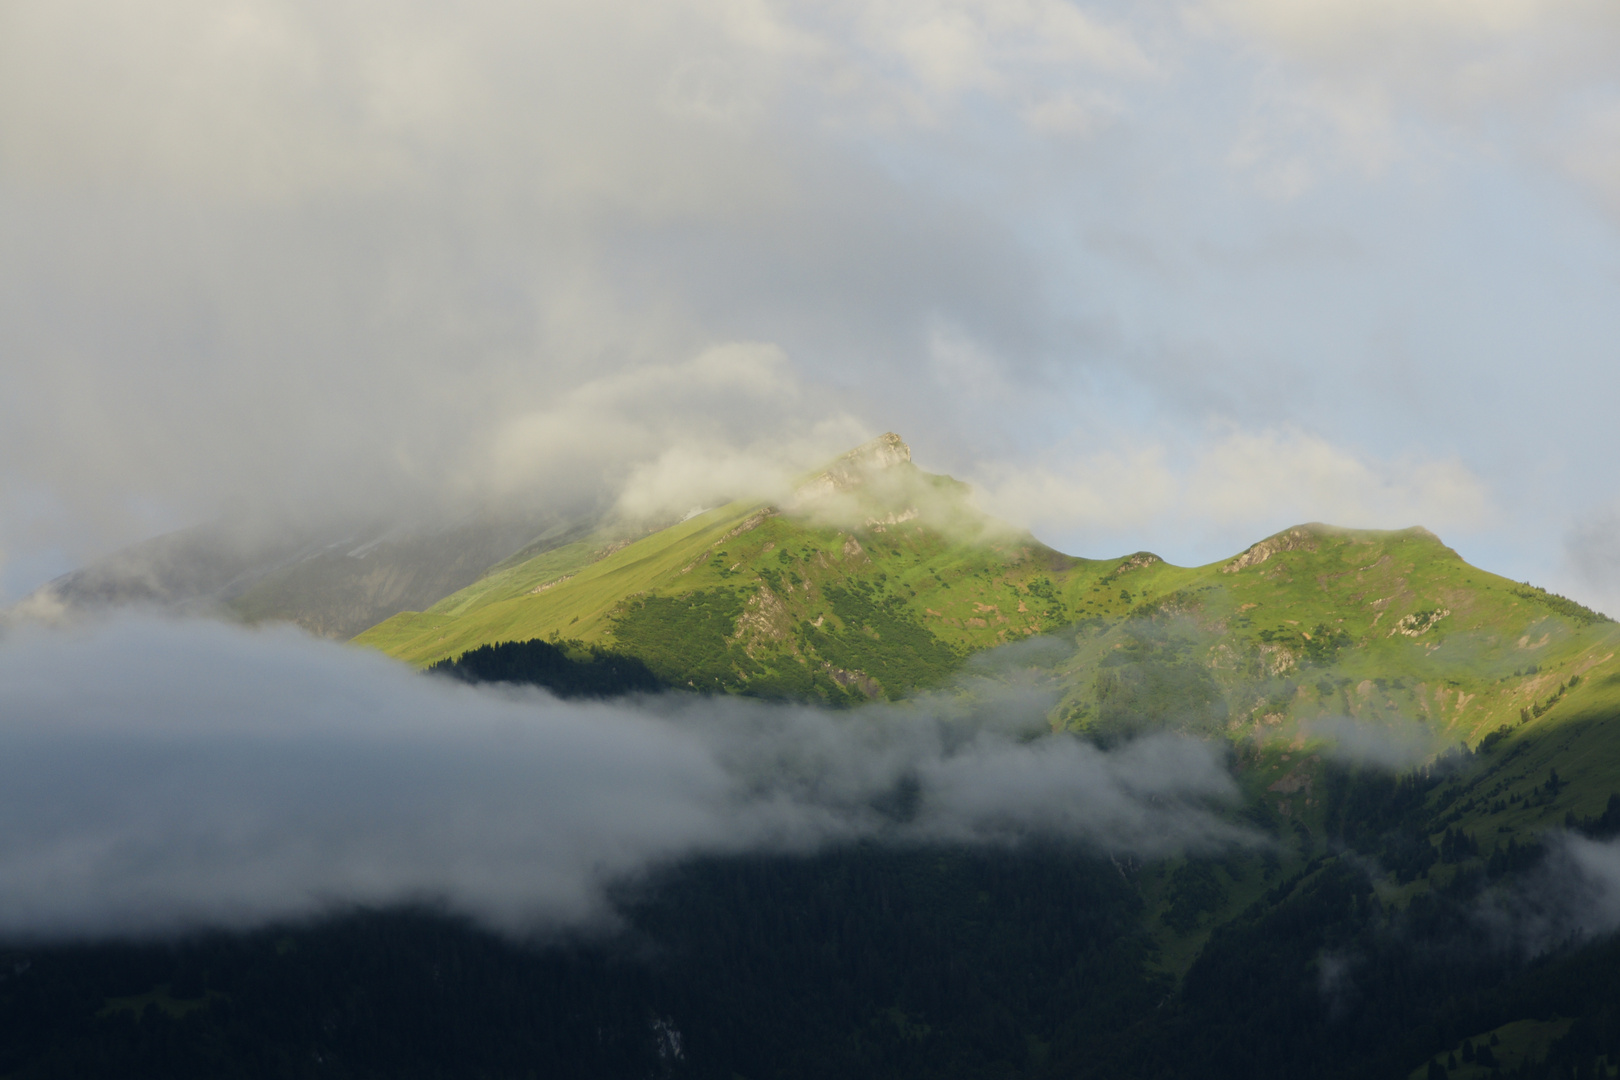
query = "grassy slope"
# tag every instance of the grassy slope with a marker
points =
(1501, 648)
(969, 594)
(1317, 621)
(1392, 628)
(1425, 636)
(1516, 1042)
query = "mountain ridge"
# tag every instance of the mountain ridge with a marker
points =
(1416, 743)
(1271, 650)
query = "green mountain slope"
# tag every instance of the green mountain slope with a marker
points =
(1411, 736)
(880, 579)
(1312, 649)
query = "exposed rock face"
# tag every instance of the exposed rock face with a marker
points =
(1418, 623)
(858, 680)
(851, 470)
(753, 522)
(764, 621)
(880, 524)
(1295, 539)
(1298, 778)
(1140, 561)
(190, 569)
(1276, 659)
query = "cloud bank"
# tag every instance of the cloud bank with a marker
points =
(157, 775)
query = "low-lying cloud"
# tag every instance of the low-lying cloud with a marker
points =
(1572, 897)
(1392, 745)
(157, 774)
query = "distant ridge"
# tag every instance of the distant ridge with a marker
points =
(333, 582)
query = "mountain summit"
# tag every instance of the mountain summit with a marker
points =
(799, 599)
(855, 467)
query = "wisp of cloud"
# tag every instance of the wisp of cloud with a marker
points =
(157, 775)
(1572, 897)
(1393, 745)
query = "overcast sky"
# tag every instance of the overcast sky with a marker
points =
(1151, 275)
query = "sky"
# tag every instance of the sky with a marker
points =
(1168, 275)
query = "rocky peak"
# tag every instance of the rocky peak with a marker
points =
(853, 468)
(1301, 537)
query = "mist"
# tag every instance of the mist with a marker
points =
(1392, 745)
(1572, 897)
(160, 774)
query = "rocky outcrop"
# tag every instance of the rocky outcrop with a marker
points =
(765, 620)
(851, 470)
(1418, 623)
(1295, 539)
(1140, 561)
(752, 522)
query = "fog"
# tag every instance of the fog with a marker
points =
(158, 775)
(1392, 745)
(1572, 897)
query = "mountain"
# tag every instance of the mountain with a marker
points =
(866, 583)
(876, 580)
(1419, 744)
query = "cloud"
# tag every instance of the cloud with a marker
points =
(306, 97)
(381, 258)
(993, 46)
(157, 774)
(1246, 474)
(1593, 549)
(1574, 895)
(671, 435)
(1237, 477)
(1529, 79)
(1009, 791)
(1385, 37)
(398, 261)
(1393, 746)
